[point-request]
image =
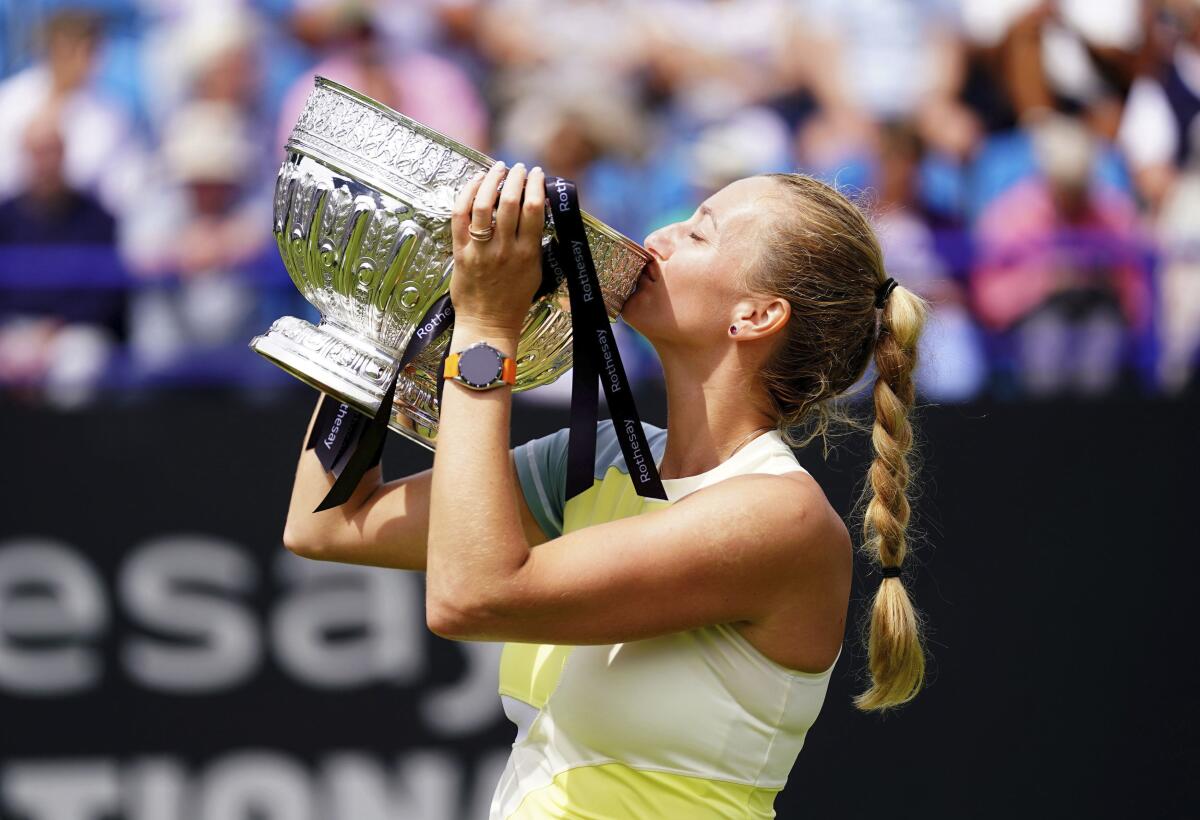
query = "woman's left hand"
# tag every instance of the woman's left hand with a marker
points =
(494, 280)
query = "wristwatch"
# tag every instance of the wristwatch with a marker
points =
(481, 367)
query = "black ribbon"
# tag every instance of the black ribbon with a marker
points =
(595, 357)
(336, 429)
(360, 447)
(348, 443)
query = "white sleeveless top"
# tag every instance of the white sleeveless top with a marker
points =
(696, 724)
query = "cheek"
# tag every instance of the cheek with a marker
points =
(694, 293)
(698, 306)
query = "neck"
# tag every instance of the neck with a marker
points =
(710, 412)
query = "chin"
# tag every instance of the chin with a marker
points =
(631, 313)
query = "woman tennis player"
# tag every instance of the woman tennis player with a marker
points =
(662, 659)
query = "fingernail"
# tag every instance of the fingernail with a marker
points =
(499, 164)
(518, 165)
(537, 169)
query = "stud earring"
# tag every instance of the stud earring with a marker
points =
(733, 330)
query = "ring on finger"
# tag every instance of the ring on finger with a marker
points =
(481, 234)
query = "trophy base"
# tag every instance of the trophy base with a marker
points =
(351, 370)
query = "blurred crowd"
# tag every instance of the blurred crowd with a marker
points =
(1033, 166)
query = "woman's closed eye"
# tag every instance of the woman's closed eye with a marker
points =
(696, 236)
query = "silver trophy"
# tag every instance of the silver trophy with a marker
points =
(362, 217)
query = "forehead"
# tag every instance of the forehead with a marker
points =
(741, 209)
(741, 199)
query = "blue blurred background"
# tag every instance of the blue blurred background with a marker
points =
(1029, 165)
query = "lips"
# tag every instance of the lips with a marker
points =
(651, 271)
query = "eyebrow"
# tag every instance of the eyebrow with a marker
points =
(707, 211)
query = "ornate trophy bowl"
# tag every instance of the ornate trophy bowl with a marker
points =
(362, 217)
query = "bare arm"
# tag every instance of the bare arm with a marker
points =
(383, 524)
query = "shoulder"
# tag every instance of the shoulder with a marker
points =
(26, 87)
(774, 537)
(788, 515)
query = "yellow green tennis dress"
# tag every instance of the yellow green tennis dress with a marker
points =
(689, 726)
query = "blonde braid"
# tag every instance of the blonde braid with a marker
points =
(896, 655)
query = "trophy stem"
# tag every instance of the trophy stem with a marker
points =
(353, 370)
(330, 358)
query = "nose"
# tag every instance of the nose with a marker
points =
(659, 244)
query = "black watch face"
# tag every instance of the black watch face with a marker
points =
(479, 366)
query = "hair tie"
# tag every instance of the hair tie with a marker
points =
(890, 572)
(884, 290)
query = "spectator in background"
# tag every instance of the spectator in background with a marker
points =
(1072, 56)
(101, 151)
(413, 24)
(1161, 113)
(55, 343)
(204, 226)
(47, 209)
(749, 141)
(413, 81)
(1178, 231)
(210, 55)
(1057, 268)
(713, 58)
(871, 61)
(162, 8)
(951, 364)
(207, 218)
(209, 52)
(1161, 137)
(578, 41)
(445, 27)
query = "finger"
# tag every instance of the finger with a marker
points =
(533, 212)
(485, 197)
(460, 217)
(508, 213)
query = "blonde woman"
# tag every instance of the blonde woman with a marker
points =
(662, 659)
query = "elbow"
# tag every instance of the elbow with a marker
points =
(443, 620)
(464, 608)
(458, 619)
(302, 544)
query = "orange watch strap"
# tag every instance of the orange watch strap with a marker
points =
(451, 366)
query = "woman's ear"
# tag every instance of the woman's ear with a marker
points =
(759, 317)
